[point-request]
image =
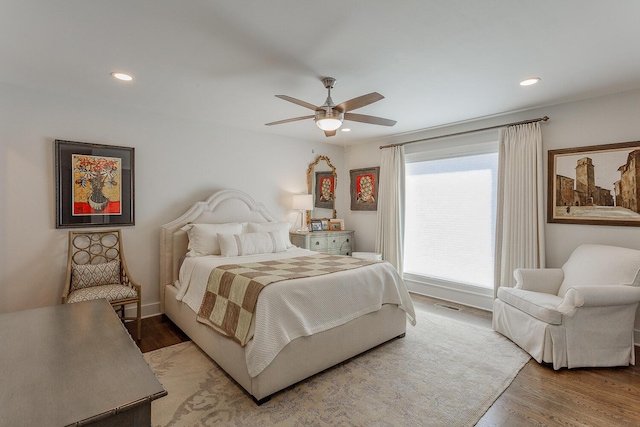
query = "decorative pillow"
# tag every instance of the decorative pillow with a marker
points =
(251, 243)
(282, 227)
(203, 239)
(88, 275)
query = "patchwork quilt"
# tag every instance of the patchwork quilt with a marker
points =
(232, 291)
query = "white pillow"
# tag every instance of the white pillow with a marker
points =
(203, 238)
(251, 243)
(282, 227)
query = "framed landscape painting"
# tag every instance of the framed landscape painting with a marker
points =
(94, 185)
(597, 185)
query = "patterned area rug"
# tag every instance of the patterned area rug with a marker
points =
(443, 373)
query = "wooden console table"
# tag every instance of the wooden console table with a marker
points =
(73, 364)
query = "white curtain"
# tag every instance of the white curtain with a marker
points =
(520, 210)
(390, 229)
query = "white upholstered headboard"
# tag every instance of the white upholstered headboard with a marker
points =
(223, 206)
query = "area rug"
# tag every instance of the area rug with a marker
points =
(443, 373)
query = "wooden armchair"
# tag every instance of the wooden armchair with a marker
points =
(96, 268)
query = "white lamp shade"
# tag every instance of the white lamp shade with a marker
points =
(303, 202)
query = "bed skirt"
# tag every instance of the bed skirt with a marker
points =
(301, 358)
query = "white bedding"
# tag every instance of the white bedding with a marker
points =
(294, 308)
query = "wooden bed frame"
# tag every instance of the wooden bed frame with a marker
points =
(302, 357)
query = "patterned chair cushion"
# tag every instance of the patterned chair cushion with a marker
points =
(87, 275)
(110, 292)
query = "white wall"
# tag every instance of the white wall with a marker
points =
(177, 162)
(604, 120)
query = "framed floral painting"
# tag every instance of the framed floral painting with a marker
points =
(94, 185)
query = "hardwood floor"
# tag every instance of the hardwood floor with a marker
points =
(157, 332)
(539, 396)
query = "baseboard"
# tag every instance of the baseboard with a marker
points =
(471, 296)
(148, 310)
(477, 298)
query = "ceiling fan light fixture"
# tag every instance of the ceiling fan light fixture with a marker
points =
(329, 120)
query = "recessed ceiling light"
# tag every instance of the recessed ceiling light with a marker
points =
(122, 76)
(345, 130)
(529, 82)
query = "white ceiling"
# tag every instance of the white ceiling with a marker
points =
(436, 62)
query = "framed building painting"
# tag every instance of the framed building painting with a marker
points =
(325, 190)
(364, 189)
(94, 185)
(597, 185)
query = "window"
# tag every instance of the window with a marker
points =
(450, 216)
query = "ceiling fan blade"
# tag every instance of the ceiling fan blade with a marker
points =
(329, 133)
(359, 102)
(372, 120)
(295, 119)
(297, 101)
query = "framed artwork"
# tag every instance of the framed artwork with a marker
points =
(597, 185)
(336, 224)
(325, 224)
(316, 225)
(364, 189)
(94, 185)
(325, 190)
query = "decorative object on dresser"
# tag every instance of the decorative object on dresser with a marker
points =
(336, 224)
(303, 203)
(290, 340)
(96, 269)
(316, 225)
(364, 189)
(94, 185)
(331, 242)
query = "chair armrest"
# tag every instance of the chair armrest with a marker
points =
(598, 296)
(546, 280)
(67, 283)
(127, 279)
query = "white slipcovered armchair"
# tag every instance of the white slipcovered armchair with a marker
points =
(576, 316)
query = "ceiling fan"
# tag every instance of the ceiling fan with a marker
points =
(329, 116)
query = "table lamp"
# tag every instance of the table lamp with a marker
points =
(302, 202)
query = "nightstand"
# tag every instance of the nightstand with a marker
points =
(331, 242)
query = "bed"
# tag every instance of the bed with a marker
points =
(305, 354)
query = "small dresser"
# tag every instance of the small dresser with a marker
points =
(331, 242)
